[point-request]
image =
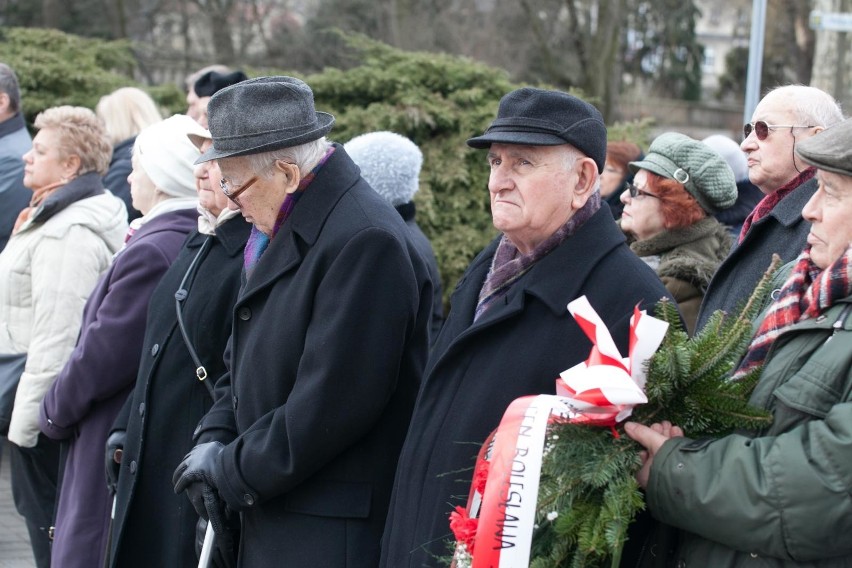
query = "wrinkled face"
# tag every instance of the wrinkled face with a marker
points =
(207, 176)
(611, 179)
(142, 190)
(42, 164)
(771, 162)
(642, 216)
(261, 202)
(829, 211)
(531, 190)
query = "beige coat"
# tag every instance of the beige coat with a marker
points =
(47, 271)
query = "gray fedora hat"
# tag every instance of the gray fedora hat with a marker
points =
(829, 150)
(263, 114)
(538, 117)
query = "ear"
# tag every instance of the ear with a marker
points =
(4, 102)
(71, 165)
(292, 175)
(587, 177)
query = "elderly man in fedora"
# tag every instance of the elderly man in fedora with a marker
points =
(328, 343)
(508, 333)
(784, 118)
(779, 496)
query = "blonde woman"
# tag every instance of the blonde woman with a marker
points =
(60, 246)
(125, 112)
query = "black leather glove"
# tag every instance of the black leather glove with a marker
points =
(196, 475)
(225, 550)
(114, 449)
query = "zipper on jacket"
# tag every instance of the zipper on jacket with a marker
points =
(840, 321)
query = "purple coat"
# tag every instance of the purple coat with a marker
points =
(83, 402)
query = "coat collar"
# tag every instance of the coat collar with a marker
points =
(302, 228)
(231, 235)
(789, 210)
(574, 258)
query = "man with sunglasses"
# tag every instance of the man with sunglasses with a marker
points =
(784, 117)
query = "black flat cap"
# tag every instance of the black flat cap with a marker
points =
(208, 84)
(538, 117)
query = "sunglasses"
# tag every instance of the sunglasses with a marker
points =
(636, 192)
(233, 194)
(761, 129)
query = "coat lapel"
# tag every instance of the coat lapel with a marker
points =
(301, 230)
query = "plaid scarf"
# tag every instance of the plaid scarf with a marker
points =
(258, 241)
(508, 265)
(808, 292)
(768, 203)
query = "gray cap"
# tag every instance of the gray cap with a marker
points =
(829, 150)
(263, 114)
(701, 170)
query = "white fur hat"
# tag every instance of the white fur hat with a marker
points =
(167, 155)
(389, 162)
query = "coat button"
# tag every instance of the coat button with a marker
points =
(235, 402)
(133, 466)
(248, 499)
(155, 349)
(141, 409)
(244, 313)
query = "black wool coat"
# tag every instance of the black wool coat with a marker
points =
(153, 526)
(329, 342)
(783, 231)
(518, 347)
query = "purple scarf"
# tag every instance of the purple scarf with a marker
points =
(258, 241)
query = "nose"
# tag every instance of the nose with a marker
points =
(811, 210)
(499, 179)
(28, 156)
(625, 196)
(749, 143)
(200, 170)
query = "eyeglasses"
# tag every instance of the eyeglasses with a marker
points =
(761, 129)
(233, 194)
(636, 192)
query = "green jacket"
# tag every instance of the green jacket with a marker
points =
(782, 496)
(685, 260)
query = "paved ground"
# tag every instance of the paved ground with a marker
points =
(15, 551)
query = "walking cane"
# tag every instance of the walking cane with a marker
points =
(207, 547)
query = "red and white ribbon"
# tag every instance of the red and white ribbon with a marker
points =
(601, 390)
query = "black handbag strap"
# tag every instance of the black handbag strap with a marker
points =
(180, 296)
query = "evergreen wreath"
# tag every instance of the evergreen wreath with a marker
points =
(588, 494)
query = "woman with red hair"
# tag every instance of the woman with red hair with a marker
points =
(668, 209)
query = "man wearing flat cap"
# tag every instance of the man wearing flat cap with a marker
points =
(509, 333)
(328, 343)
(777, 495)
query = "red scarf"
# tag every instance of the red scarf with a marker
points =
(808, 292)
(768, 203)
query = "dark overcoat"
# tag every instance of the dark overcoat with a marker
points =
(153, 526)
(329, 342)
(782, 231)
(83, 402)
(517, 347)
(115, 179)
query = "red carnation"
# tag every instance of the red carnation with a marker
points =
(480, 476)
(464, 528)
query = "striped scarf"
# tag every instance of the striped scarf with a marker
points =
(808, 292)
(258, 241)
(508, 265)
(768, 203)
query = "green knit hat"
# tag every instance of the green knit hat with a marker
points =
(703, 172)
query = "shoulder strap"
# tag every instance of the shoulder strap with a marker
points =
(180, 297)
